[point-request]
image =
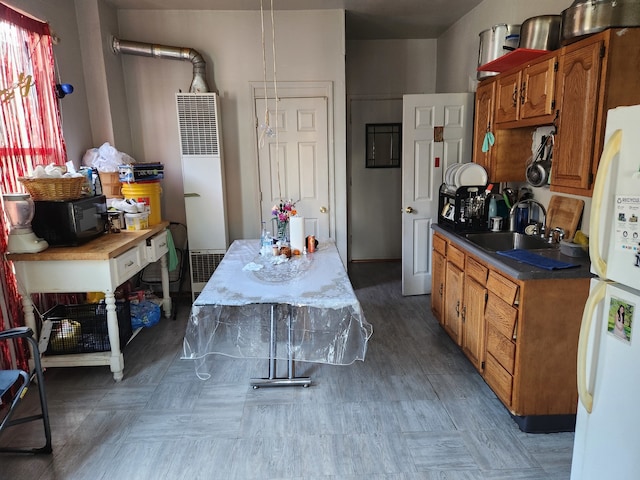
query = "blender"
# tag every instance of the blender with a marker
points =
(20, 210)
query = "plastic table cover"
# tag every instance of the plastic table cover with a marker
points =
(233, 314)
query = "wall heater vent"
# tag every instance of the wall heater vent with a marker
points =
(203, 183)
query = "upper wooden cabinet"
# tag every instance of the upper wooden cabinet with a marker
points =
(596, 74)
(527, 96)
(499, 162)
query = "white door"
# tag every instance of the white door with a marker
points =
(436, 132)
(295, 164)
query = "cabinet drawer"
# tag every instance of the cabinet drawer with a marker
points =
(502, 316)
(156, 247)
(477, 271)
(502, 287)
(501, 347)
(129, 263)
(439, 244)
(498, 379)
(455, 256)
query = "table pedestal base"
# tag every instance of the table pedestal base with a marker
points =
(291, 380)
(280, 382)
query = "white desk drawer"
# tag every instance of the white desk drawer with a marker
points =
(156, 247)
(129, 263)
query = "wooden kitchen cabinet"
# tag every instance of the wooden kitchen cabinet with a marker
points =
(499, 161)
(573, 88)
(473, 305)
(458, 295)
(438, 275)
(595, 74)
(526, 96)
(521, 335)
(454, 281)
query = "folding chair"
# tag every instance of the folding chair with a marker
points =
(14, 385)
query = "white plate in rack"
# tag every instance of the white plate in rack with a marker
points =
(470, 174)
(449, 174)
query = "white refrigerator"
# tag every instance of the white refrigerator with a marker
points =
(607, 436)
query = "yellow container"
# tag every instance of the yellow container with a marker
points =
(147, 193)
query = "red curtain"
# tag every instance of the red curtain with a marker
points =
(31, 135)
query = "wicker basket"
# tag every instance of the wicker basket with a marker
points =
(66, 188)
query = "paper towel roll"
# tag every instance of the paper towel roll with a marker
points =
(296, 232)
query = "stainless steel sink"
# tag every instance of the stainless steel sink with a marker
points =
(495, 241)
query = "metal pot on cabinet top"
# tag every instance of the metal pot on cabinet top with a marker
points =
(541, 32)
(585, 17)
(494, 43)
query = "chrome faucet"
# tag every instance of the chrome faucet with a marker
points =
(512, 214)
(556, 234)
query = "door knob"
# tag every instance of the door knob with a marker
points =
(323, 209)
(408, 210)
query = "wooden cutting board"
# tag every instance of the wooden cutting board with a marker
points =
(564, 212)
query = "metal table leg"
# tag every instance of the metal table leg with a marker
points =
(273, 381)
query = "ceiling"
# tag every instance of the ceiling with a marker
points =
(365, 19)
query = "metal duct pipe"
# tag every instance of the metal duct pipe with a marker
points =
(199, 82)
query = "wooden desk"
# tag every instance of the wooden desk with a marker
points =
(100, 265)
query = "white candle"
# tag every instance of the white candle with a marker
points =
(296, 232)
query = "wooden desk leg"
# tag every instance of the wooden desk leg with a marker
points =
(117, 359)
(164, 278)
(29, 320)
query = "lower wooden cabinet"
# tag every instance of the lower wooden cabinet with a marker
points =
(473, 305)
(521, 335)
(452, 322)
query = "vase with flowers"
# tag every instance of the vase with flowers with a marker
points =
(282, 212)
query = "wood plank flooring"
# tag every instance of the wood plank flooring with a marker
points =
(415, 409)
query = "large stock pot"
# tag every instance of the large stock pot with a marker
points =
(585, 17)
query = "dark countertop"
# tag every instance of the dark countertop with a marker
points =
(519, 270)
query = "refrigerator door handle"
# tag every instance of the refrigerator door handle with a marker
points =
(595, 297)
(610, 150)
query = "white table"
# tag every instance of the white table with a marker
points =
(303, 309)
(100, 265)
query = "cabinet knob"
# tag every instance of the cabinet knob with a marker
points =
(523, 92)
(458, 308)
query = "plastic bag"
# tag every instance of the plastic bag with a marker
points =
(144, 314)
(106, 158)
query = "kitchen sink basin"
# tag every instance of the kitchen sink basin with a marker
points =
(498, 241)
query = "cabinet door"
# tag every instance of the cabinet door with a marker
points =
(454, 280)
(483, 123)
(437, 285)
(578, 87)
(473, 325)
(537, 90)
(507, 97)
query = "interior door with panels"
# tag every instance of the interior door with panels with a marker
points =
(294, 164)
(436, 132)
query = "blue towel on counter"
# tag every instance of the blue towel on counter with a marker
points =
(534, 259)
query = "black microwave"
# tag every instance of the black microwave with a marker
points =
(70, 222)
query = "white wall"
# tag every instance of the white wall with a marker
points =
(309, 47)
(379, 72)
